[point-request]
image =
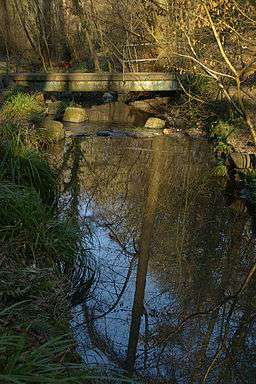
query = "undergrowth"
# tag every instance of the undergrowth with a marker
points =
(38, 251)
(25, 358)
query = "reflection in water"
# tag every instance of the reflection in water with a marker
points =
(174, 298)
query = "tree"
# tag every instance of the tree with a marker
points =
(216, 38)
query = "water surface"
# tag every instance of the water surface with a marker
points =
(173, 300)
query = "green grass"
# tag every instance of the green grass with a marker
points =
(26, 166)
(31, 231)
(221, 170)
(12, 91)
(24, 359)
(22, 107)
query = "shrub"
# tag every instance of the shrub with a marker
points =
(223, 148)
(20, 132)
(221, 170)
(200, 85)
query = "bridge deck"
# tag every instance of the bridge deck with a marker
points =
(97, 82)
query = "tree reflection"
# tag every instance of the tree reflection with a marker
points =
(155, 171)
(157, 214)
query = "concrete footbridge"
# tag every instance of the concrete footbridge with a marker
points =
(97, 82)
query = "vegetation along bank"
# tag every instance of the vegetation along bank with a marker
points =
(39, 249)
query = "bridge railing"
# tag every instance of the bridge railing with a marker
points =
(131, 59)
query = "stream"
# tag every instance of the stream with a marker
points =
(172, 299)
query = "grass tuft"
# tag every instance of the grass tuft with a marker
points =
(30, 231)
(22, 107)
(24, 165)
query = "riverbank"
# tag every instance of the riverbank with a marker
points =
(196, 121)
(39, 249)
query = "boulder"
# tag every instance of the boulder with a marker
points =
(155, 122)
(243, 160)
(151, 105)
(53, 107)
(39, 97)
(75, 115)
(52, 130)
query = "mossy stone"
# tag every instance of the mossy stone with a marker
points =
(155, 123)
(241, 160)
(53, 130)
(75, 115)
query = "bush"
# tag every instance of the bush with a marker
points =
(200, 85)
(221, 170)
(222, 147)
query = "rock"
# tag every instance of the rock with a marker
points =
(75, 115)
(113, 134)
(195, 133)
(138, 133)
(146, 133)
(243, 160)
(155, 122)
(39, 97)
(108, 97)
(168, 132)
(151, 105)
(53, 107)
(53, 130)
(173, 133)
